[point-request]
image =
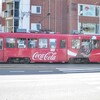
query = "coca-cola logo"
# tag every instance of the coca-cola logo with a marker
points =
(44, 56)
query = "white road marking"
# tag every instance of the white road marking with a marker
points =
(66, 69)
(45, 71)
(16, 71)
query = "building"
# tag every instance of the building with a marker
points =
(0, 23)
(34, 15)
(65, 16)
(84, 16)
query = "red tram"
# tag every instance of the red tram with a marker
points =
(40, 47)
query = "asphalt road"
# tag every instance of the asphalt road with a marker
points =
(49, 82)
(30, 69)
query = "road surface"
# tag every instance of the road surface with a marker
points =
(49, 82)
(32, 69)
(80, 86)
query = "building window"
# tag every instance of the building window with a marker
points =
(16, 24)
(88, 10)
(36, 9)
(16, 10)
(97, 10)
(88, 28)
(35, 26)
(97, 28)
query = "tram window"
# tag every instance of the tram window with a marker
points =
(21, 43)
(95, 44)
(85, 42)
(1, 44)
(62, 43)
(43, 43)
(32, 43)
(10, 42)
(52, 43)
(75, 43)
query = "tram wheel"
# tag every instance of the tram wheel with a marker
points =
(86, 61)
(71, 61)
(26, 60)
(9, 61)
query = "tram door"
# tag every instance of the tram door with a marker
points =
(1, 50)
(62, 50)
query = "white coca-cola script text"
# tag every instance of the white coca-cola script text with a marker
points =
(44, 56)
